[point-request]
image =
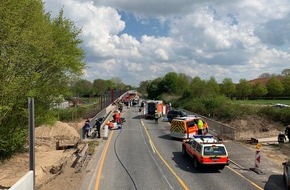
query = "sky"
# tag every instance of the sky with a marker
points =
(137, 40)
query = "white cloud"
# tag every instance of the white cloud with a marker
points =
(224, 39)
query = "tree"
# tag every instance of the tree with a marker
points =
(143, 87)
(169, 83)
(274, 87)
(153, 88)
(38, 56)
(99, 87)
(118, 84)
(259, 90)
(212, 88)
(228, 88)
(83, 88)
(244, 89)
(183, 82)
(286, 84)
(197, 88)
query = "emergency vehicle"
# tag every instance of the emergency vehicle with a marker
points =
(185, 127)
(151, 106)
(206, 151)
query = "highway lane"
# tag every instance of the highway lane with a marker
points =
(141, 155)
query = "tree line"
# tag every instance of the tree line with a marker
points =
(88, 89)
(266, 86)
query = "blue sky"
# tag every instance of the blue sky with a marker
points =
(142, 40)
(139, 27)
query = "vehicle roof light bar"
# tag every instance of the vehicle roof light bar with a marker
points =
(202, 136)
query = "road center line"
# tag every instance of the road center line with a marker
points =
(163, 160)
(152, 146)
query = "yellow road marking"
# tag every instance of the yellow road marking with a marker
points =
(167, 165)
(171, 170)
(102, 161)
(253, 183)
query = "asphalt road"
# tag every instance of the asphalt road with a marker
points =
(142, 156)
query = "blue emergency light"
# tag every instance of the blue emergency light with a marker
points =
(202, 136)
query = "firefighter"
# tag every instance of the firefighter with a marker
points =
(118, 117)
(156, 116)
(199, 126)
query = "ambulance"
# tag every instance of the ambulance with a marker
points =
(185, 127)
(206, 151)
(151, 106)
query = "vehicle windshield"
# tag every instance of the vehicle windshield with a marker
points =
(214, 150)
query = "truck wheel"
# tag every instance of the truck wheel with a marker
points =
(221, 167)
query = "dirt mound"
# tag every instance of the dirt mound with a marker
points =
(46, 155)
(60, 131)
(256, 127)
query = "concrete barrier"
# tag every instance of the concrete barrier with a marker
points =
(25, 183)
(220, 129)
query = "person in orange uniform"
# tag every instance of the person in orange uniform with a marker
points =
(110, 125)
(118, 117)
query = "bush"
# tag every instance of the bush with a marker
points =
(276, 114)
(218, 107)
(11, 143)
(69, 114)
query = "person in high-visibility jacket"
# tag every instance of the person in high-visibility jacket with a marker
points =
(199, 126)
(156, 116)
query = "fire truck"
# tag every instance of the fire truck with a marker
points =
(151, 106)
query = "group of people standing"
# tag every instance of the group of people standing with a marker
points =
(97, 127)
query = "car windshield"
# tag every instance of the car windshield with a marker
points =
(214, 150)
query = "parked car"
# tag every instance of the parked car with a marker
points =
(175, 113)
(286, 174)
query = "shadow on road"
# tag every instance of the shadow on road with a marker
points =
(186, 164)
(275, 182)
(168, 137)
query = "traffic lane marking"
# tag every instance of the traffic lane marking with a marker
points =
(239, 174)
(102, 161)
(163, 160)
(236, 172)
